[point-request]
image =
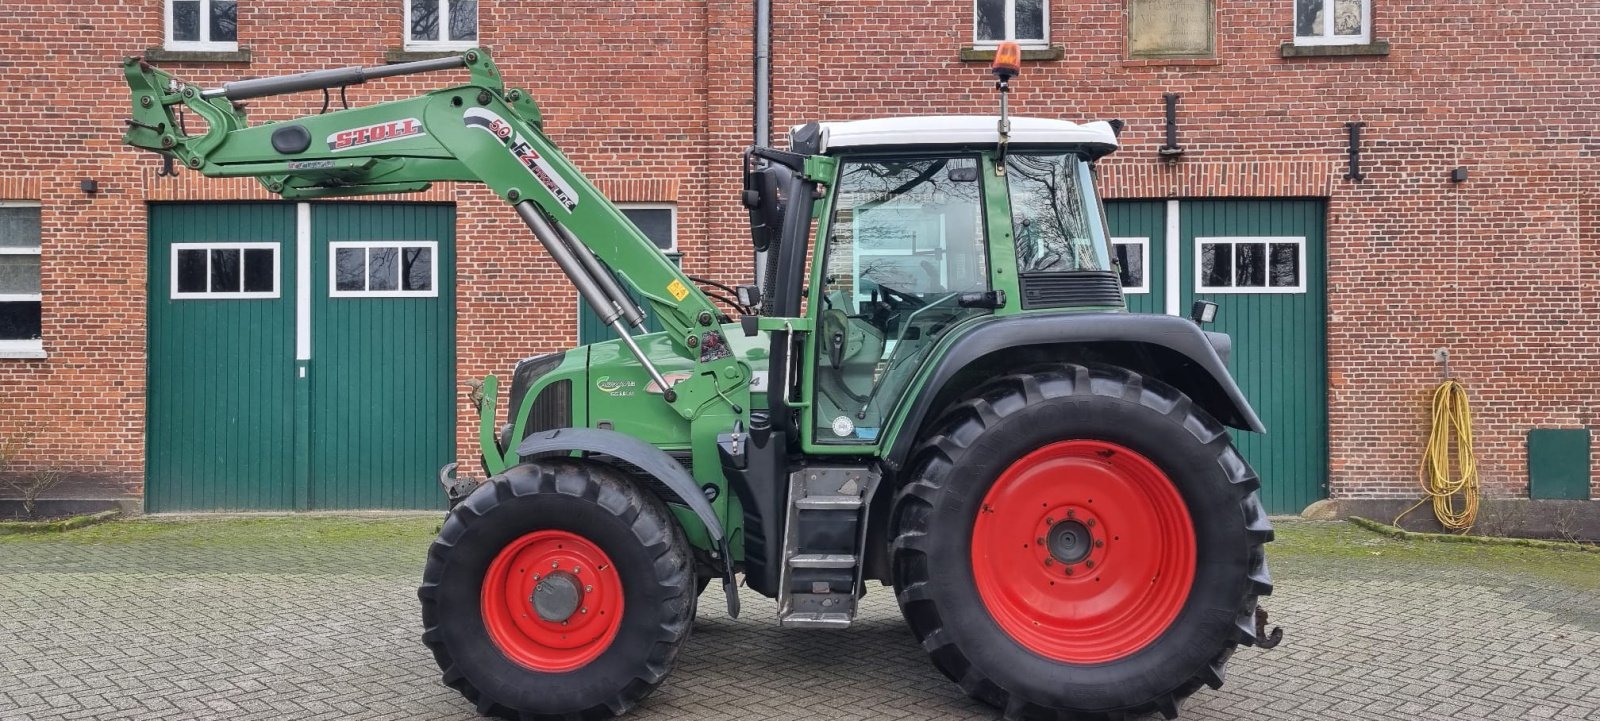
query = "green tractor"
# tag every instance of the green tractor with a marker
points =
(937, 387)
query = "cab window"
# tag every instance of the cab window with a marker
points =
(1055, 218)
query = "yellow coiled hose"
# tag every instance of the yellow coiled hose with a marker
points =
(1455, 497)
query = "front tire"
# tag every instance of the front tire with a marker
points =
(557, 590)
(1080, 542)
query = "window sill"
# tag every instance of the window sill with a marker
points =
(23, 349)
(1164, 62)
(402, 55)
(976, 54)
(1291, 50)
(163, 55)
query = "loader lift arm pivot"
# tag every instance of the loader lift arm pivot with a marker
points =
(476, 132)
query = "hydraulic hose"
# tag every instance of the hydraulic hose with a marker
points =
(1454, 497)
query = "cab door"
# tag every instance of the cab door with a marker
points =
(904, 243)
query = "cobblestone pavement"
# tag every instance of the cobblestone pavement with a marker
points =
(318, 619)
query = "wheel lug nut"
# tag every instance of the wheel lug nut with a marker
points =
(583, 610)
(1089, 563)
(1099, 543)
(1049, 521)
(1049, 562)
(1089, 523)
(563, 623)
(553, 564)
(1069, 570)
(1039, 540)
(587, 589)
(1071, 513)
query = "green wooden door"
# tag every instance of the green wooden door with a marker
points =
(382, 354)
(1138, 229)
(220, 406)
(1263, 262)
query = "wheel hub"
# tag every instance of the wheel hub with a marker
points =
(1069, 542)
(556, 597)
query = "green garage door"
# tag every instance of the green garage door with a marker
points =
(1263, 262)
(300, 356)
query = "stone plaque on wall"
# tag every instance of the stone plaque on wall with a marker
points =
(1171, 29)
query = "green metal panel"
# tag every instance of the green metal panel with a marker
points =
(1558, 464)
(383, 397)
(591, 330)
(1279, 343)
(220, 413)
(1145, 220)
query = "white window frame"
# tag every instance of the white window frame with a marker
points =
(672, 208)
(1199, 250)
(368, 245)
(1011, 28)
(204, 44)
(277, 271)
(1327, 37)
(24, 347)
(443, 43)
(1144, 267)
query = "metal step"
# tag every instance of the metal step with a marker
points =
(816, 620)
(822, 560)
(828, 503)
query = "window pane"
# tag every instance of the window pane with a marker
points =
(424, 19)
(417, 273)
(463, 19)
(223, 27)
(19, 227)
(350, 269)
(1250, 265)
(383, 268)
(1030, 20)
(19, 274)
(186, 20)
(991, 20)
(1346, 17)
(655, 222)
(19, 320)
(1215, 261)
(1130, 259)
(1308, 18)
(1285, 265)
(1049, 218)
(225, 270)
(191, 271)
(258, 266)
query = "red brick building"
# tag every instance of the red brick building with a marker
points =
(1469, 225)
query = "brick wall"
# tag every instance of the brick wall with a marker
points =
(1504, 270)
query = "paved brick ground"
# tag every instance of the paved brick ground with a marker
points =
(295, 624)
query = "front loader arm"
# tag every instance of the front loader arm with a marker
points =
(477, 132)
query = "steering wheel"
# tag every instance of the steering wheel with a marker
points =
(900, 298)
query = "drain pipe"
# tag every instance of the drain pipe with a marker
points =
(763, 100)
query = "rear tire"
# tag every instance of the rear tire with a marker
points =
(1140, 624)
(622, 584)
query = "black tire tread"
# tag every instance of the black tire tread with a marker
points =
(651, 523)
(941, 450)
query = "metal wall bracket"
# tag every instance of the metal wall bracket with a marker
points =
(1354, 151)
(1171, 150)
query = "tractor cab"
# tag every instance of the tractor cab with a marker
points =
(924, 224)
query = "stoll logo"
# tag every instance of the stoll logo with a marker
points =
(615, 387)
(374, 134)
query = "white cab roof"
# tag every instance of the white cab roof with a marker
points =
(962, 130)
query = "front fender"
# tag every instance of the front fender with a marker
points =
(1180, 337)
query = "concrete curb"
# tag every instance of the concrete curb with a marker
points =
(66, 524)
(1404, 535)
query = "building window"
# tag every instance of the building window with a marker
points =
(383, 269)
(441, 24)
(1250, 265)
(205, 25)
(1133, 258)
(1025, 21)
(658, 221)
(1332, 22)
(231, 271)
(20, 249)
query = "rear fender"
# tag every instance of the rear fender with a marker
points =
(1172, 349)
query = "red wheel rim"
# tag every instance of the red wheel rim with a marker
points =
(584, 618)
(1083, 551)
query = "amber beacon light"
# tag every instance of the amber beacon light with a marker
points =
(1007, 60)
